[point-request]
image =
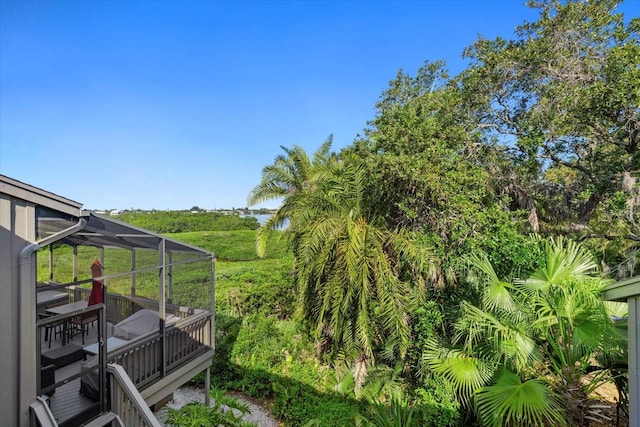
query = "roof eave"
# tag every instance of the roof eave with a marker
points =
(622, 290)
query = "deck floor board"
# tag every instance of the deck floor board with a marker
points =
(67, 402)
(71, 409)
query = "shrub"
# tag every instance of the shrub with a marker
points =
(254, 383)
(437, 406)
(256, 287)
(259, 343)
(399, 413)
(199, 415)
(180, 221)
(297, 404)
(222, 370)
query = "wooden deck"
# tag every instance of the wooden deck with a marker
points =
(69, 407)
(156, 363)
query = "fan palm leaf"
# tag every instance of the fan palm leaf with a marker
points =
(497, 294)
(466, 373)
(564, 261)
(538, 338)
(510, 342)
(511, 402)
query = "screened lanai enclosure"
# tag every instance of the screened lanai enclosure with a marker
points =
(156, 319)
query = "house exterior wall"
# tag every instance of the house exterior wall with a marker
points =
(17, 229)
(18, 202)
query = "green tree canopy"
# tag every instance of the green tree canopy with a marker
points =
(559, 105)
(426, 173)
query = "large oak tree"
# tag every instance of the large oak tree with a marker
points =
(560, 107)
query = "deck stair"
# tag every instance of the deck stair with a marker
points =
(41, 413)
(128, 407)
(108, 419)
(126, 400)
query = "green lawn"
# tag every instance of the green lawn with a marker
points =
(240, 273)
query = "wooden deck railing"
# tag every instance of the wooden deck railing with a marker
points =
(126, 401)
(142, 358)
(120, 307)
(40, 413)
(188, 338)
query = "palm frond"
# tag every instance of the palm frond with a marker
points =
(466, 373)
(511, 402)
(616, 310)
(510, 343)
(322, 153)
(565, 260)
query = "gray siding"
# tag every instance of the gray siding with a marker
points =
(17, 229)
(18, 203)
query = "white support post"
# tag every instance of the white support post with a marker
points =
(207, 386)
(161, 277)
(51, 262)
(170, 278)
(213, 303)
(212, 329)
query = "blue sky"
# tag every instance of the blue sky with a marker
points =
(173, 104)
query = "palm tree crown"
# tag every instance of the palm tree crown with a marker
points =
(347, 265)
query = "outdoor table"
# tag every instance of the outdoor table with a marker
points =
(46, 298)
(111, 344)
(66, 309)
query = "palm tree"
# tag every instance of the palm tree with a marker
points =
(347, 265)
(520, 356)
(290, 177)
(348, 270)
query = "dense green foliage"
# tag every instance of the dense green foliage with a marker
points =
(263, 352)
(347, 265)
(521, 353)
(199, 415)
(558, 109)
(540, 132)
(235, 245)
(182, 221)
(429, 273)
(539, 135)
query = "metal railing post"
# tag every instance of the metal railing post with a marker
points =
(162, 308)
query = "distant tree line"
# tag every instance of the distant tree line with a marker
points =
(182, 221)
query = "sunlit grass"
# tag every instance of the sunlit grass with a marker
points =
(238, 269)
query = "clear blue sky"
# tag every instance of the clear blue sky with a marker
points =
(171, 104)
